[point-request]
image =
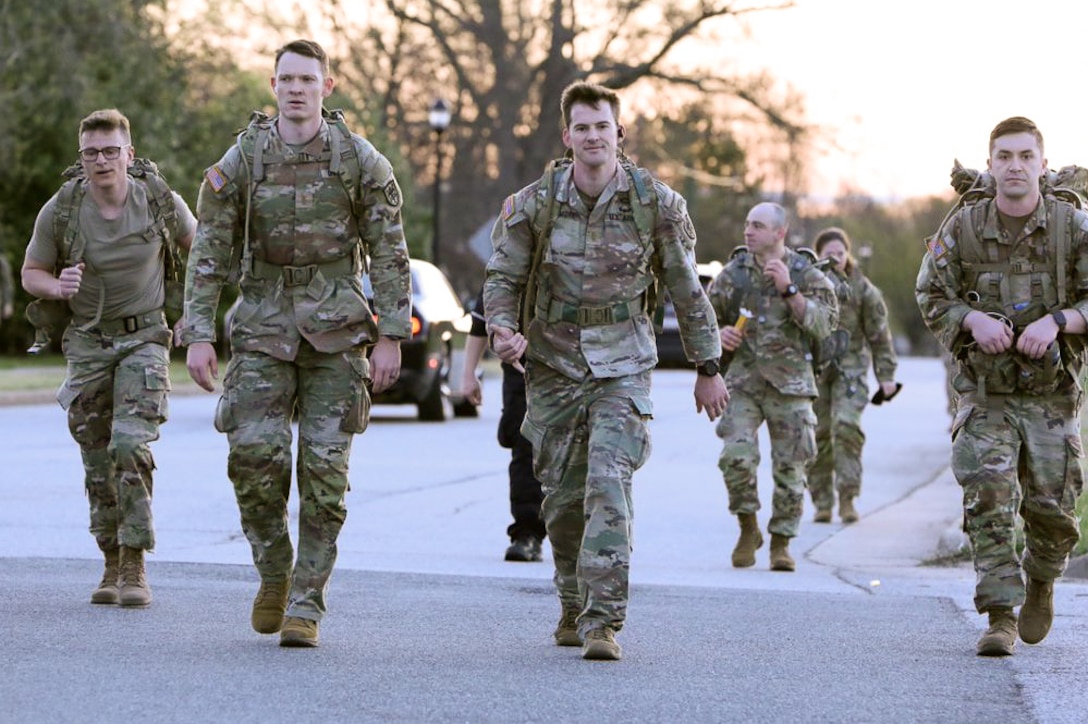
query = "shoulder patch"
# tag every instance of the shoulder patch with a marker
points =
(215, 178)
(508, 207)
(392, 192)
(937, 246)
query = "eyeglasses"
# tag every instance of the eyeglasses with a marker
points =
(112, 153)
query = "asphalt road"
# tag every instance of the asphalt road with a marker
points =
(427, 623)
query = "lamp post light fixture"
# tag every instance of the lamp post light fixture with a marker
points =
(439, 119)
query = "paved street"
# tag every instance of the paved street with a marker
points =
(427, 623)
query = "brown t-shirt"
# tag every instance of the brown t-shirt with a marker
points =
(119, 256)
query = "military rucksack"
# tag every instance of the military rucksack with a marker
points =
(344, 163)
(51, 316)
(643, 209)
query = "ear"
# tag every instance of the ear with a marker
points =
(620, 132)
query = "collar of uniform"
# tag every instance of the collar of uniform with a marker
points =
(992, 230)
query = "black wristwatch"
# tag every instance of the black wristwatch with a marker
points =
(709, 368)
(1059, 319)
(790, 291)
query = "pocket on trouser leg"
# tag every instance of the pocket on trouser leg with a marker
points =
(357, 415)
(552, 448)
(153, 403)
(806, 450)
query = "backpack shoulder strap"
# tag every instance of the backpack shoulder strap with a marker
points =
(70, 247)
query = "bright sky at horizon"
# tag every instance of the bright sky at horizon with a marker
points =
(906, 88)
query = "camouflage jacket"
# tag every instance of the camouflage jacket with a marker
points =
(591, 315)
(300, 273)
(1017, 278)
(776, 348)
(865, 316)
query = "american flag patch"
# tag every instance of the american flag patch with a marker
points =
(215, 179)
(508, 207)
(937, 247)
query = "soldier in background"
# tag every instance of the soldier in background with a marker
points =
(588, 270)
(300, 337)
(770, 376)
(862, 339)
(111, 253)
(1002, 286)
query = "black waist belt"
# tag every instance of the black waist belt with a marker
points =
(124, 325)
(592, 316)
(300, 276)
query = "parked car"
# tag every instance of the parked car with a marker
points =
(670, 351)
(431, 358)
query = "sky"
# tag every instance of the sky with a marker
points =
(907, 87)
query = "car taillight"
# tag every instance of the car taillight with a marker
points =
(417, 325)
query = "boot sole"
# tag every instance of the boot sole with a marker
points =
(298, 643)
(105, 599)
(267, 627)
(571, 638)
(995, 649)
(596, 651)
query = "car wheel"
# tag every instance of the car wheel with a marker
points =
(435, 405)
(465, 409)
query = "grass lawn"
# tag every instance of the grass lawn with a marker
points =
(46, 372)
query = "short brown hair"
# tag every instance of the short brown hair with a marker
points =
(1016, 124)
(105, 119)
(590, 94)
(307, 48)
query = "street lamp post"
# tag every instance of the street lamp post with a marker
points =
(439, 119)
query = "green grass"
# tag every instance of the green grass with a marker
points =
(46, 372)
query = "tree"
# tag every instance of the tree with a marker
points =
(504, 64)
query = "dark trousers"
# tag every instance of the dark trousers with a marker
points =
(525, 493)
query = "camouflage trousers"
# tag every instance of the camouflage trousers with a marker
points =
(791, 425)
(1017, 454)
(261, 395)
(589, 437)
(839, 438)
(115, 394)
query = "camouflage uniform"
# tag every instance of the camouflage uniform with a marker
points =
(1016, 436)
(591, 351)
(117, 349)
(770, 379)
(844, 390)
(299, 336)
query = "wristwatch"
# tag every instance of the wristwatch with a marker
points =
(709, 368)
(790, 291)
(1059, 319)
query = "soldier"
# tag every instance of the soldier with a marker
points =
(107, 231)
(1003, 287)
(527, 532)
(792, 306)
(297, 194)
(587, 245)
(862, 339)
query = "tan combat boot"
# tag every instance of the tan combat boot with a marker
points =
(601, 645)
(134, 588)
(1000, 637)
(298, 632)
(750, 541)
(823, 515)
(566, 633)
(269, 606)
(846, 510)
(780, 553)
(1037, 613)
(108, 590)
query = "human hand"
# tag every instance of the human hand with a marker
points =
(711, 395)
(731, 338)
(509, 345)
(993, 336)
(776, 271)
(203, 364)
(384, 364)
(1037, 337)
(69, 281)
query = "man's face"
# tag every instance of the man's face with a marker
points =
(102, 172)
(1016, 163)
(592, 135)
(836, 251)
(760, 231)
(300, 87)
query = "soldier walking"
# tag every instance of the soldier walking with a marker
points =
(586, 246)
(770, 376)
(1003, 287)
(97, 256)
(309, 202)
